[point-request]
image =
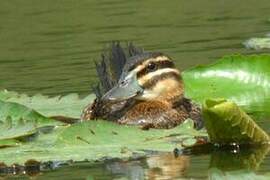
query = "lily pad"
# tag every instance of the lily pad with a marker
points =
(17, 112)
(70, 105)
(226, 123)
(99, 140)
(21, 129)
(244, 80)
(17, 121)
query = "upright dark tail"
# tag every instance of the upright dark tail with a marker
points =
(110, 67)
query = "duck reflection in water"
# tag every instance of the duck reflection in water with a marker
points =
(161, 166)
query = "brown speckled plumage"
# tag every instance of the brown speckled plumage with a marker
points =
(154, 114)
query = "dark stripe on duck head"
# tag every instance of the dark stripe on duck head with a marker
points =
(135, 61)
(155, 65)
(153, 81)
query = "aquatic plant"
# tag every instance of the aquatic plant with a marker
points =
(30, 130)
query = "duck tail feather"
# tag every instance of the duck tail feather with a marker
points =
(118, 59)
(110, 67)
(133, 50)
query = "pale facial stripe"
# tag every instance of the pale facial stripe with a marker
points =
(158, 72)
(163, 88)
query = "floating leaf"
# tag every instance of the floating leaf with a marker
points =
(18, 121)
(10, 130)
(244, 80)
(226, 123)
(98, 140)
(17, 112)
(70, 105)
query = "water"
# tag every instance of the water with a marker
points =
(220, 164)
(49, 46)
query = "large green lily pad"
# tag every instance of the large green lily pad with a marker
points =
(244, 80)
(96, 140)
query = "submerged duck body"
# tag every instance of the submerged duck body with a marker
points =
(141, 88)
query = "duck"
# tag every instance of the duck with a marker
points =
(141, 88)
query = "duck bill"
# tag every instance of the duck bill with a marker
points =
(124, 90)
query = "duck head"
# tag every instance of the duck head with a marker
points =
(148, 76)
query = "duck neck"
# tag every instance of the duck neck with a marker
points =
(172, 91)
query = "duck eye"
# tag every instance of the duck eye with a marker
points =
(151, 66)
